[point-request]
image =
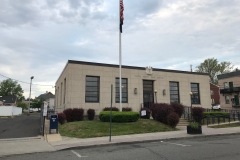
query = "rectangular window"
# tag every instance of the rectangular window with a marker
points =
(226, 85)
(92, 89)
(227, 99)
(61, 93)
(231, 85)
(124, 90)
(174, 92)
(195, 97)
(64, 94)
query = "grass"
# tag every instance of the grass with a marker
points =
(226, 125)
(96, 128)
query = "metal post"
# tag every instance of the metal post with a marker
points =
(191, 105)
(31, 78)
(110, 135)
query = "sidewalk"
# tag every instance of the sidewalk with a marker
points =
(60, 143)
(24, 145)
(55, 142)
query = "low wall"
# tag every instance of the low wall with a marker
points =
(10, 111)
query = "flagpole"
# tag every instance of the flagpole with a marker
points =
(120, 61)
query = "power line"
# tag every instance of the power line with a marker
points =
(25, 82)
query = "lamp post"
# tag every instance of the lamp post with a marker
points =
(191, 103)
(31, 78)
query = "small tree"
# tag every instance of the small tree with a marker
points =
(37, 103)
(212, 67)
(23, 105)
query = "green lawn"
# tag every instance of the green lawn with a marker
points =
(96, 128)
(226, 125)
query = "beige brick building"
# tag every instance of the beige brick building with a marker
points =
(88, 85)
(230, 90)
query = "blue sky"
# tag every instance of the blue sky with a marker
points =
(38, 37)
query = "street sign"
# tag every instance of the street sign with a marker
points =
(45, 109)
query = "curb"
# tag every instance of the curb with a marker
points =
(143, 141)
(22, 139)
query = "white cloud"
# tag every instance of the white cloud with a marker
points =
(38, 37)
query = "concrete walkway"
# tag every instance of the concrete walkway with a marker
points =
(55, 142)
(67, 142)
(24, 145)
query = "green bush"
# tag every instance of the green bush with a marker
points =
(126, 109)
(226, 114)
(119, 117)
(109, 109)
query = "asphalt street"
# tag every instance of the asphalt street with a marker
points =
(207, 148)
(20, 126)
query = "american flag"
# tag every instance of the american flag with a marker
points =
(121, 14)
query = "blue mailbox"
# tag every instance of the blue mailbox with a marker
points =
(53, 122)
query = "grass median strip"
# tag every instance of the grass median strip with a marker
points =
(226, 125)
(96, 128)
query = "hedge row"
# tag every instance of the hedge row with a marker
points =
(216, 114)
(119, 117)
(124, 109)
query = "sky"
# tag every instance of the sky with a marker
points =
(38, 37)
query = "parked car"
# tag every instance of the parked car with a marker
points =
(216, 106)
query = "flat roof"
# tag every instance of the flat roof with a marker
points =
(229, 75)
(132, 67)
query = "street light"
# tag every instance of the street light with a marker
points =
(191, 102)
(31, 78)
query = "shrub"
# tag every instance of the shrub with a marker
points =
(148, 113)
(194, 125)
(68, 114)
(178, 108)
(61, 118)
(109, 109)
(224, 114)
(172, 119)
(160, 111)
(91, 114)
(77, 114)
(126, 109)
(197, 114)
(119, 117)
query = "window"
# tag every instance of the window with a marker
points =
(92, 89)
(64, 94)
(231, 85)
(227, 99)
(195, 97)
(124, 90)
(61, 93)
(174, 92)
(226, 85)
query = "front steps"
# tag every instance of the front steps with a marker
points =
(183, 122)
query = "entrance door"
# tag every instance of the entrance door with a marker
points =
(148, 96)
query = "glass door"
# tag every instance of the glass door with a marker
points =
(148, 93)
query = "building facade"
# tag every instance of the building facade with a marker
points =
(230, 90)
(88, 85)
(215, 94)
